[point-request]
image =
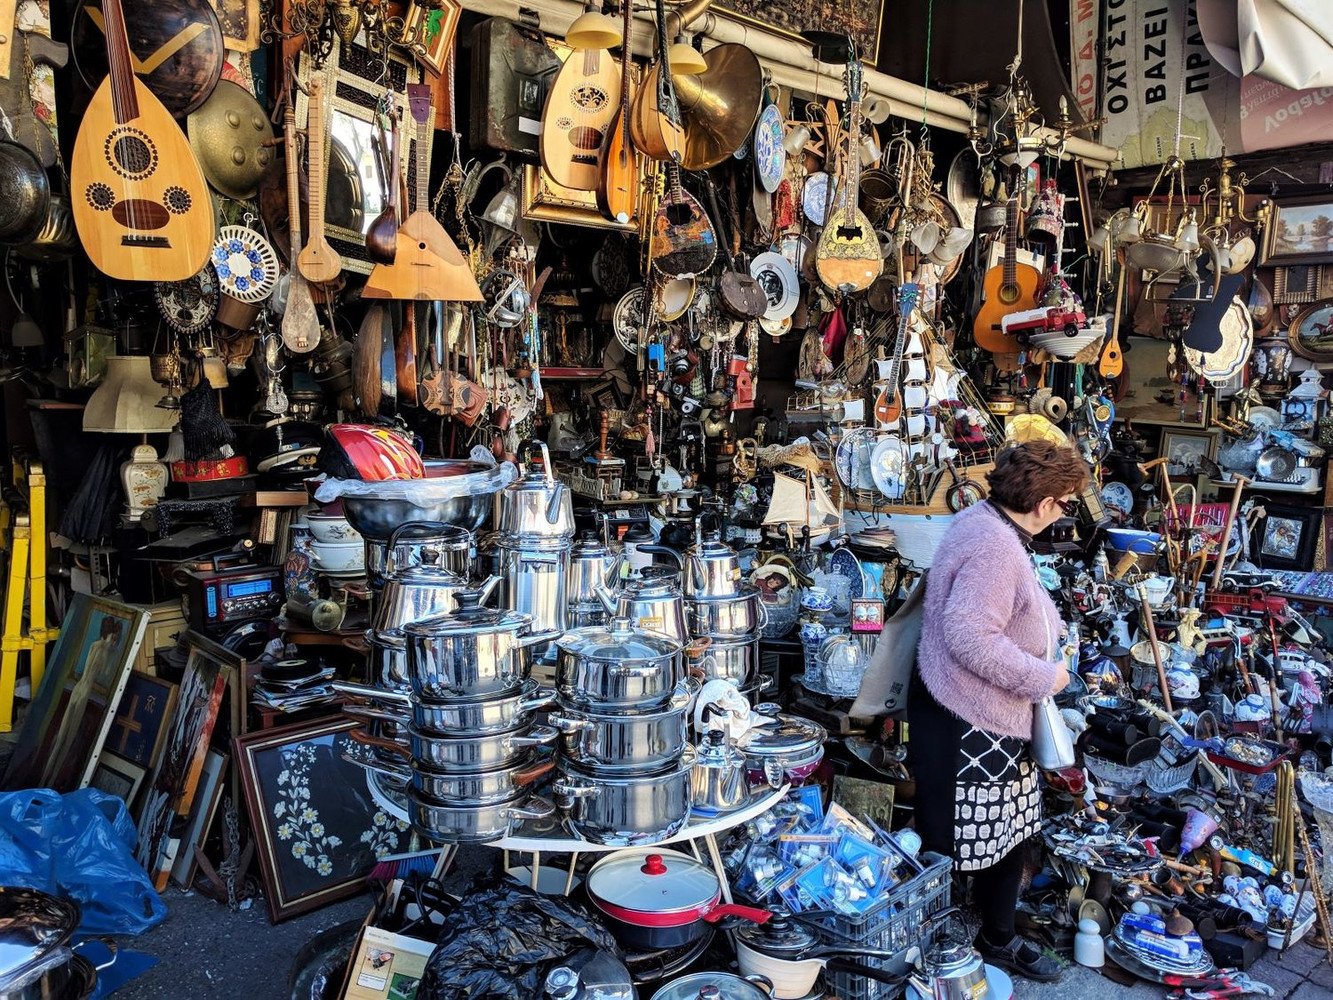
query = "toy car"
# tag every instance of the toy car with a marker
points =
(1047, 318)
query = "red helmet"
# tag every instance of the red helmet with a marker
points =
(372, 454)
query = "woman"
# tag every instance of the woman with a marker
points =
(989, 636)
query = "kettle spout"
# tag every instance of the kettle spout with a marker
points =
(607, 598)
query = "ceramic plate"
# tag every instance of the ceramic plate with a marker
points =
(816, 196)
(770, 159)
(778, 279)
(1118, 496)
(886, 466)
(1265, 418)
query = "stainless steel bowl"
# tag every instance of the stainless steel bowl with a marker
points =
(378, 518)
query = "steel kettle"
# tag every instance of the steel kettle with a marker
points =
(652, 601)
(951, 968)
(592, 564)
(712, 568)
(536, 505)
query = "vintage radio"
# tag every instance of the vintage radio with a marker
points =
(219, 597)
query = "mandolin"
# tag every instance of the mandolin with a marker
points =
(579, 110)
(300, 325)
(848, 256)
(1009, 287)
(318, 261)
(618, 183)
(683, 242)
(427, 265)
(889, 404)
(140, 203)
(655, 124)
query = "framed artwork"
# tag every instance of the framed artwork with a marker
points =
(438, 27)
(317, 831)
(1296, 283)
(859, 18)
(1286, 537)
(119, 777)
(68, 720)
(1184, 451)
(1300, 231)
(209, 671)
(202, 814)
(240, 23)
(140, 725)
(1311, 331)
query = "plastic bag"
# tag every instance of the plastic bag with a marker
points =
(421, 492)
(80, 846)
(498, 943)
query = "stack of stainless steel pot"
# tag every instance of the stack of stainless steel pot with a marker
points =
(625, 760)
(724, 614)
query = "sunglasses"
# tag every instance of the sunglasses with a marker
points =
(1067, 507)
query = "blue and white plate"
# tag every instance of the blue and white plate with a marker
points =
(770, 159)
(843, 562)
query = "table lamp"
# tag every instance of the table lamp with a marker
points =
(126, 403)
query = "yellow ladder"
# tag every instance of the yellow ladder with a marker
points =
(26, 584)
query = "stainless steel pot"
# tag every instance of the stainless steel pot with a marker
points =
(420, 543)
(536, 505)
(735, 660)
(625, 810)
(620, 743)
(617, 667)
(468, 788)
(717, 782)
(446, 823)
(455, 718)
(464, 753)
(420, 592)
(791, 751)
(388, 657)
(652, 601)
(36, 962)
(473, 653)
(535, 578)
(738, 616)
(716, 986)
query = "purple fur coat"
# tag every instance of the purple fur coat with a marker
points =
(988, 626)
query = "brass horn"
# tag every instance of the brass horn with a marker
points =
(720, 105)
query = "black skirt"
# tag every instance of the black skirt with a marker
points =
(977, 792)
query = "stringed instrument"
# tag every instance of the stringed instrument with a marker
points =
(579, 109)
(427, 265)
(848, 256)
(1008, 287)
(618, 180)
(140, 203)
(318, 261)
(300, 324)
(683, 242)
(655, 123)
(889, 404)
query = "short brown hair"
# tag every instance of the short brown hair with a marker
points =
(1027, 473)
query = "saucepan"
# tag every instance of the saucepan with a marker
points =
(792, 958)
(465, 788)
(453, 718)
(465, 753)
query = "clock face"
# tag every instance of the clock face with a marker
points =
(188, 306)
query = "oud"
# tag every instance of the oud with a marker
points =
(578, 112)
(140, 204)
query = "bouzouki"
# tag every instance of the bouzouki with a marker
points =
(683, 242)
(1009, 287)
(300, 324)
(140, 203)
(655, 124)
(427, 266)
(579, 109)
(618, 184)
(889, 405)
(1111, 362)
(848, 256)
(318, 261)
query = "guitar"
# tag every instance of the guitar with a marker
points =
(300, 325)
(683, 242)
(655, 123)
(618, 181)
(1008, 287)
(848, 256)
(318, 261)
(889, 405)
(140, 204)
(427, 264)
(579, 109)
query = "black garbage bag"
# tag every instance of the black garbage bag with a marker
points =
(501, 939)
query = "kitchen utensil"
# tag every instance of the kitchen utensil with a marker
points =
(475, 824)
(790, 751)
(617, 742)
(792, 958)
(467, 788)
(653, 601)
(618, 667)
(625, 809)
(534, 571)
(713, 659)
(535, 505)
(421, 543)
(486, 717)
(716, 986)
(465, 753)
(717, 781)
(420, 592)
(474, 652)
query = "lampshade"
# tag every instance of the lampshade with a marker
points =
(685, 59)
(126, 401)
(593, 30)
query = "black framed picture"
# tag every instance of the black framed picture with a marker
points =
(1286, 537)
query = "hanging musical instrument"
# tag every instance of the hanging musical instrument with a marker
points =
(318, 261)
(1008, 287)
(382, 234)
(300, 325)
(848, 256)
(683, 242)
(579, 110)
(889, 404)
(719, 107)
(141, 206)
(618, 181)
(427, 266)
(656, 127)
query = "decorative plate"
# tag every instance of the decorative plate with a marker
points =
(507, 392)
(843, 562)
(188, 306)
(887, 466)
(628, 319)
(1237, 328)
(1263, 418)
(776, 328)
(770, 159)
(778, 279)
(246, 264)
(794, 247)
(852, 459)
(1118, 496)
(816, 196)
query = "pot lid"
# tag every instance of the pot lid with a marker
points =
(780, 936)
(618, 640)
(34, 924)
(590, 545)
(429, 576)
(711, 986)
(469, 619)
(653, 881)
(791, 736)
(655, 581)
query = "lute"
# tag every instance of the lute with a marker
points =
(683, 242)
(579, 109)
(318, 261)
(1008, 287)
(656, 127)
(848, 256)
(618, 183)
(140, 204)
(889, 404)
(300, 325)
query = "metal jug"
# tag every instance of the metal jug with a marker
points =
(954, 970)
(535, 576)
(592, 564)
(536, 505)
(652, 601)
(712, 568)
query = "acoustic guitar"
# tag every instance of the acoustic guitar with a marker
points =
(427, 265)
(318, 261)
(848, 256)
(656, 127)
(618, 183)
(140, 203)
(579, 109)
(1008, 287)
(889, 404)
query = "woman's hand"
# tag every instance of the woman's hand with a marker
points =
(1061, 679)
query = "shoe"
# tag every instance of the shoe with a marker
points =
(1022, 958)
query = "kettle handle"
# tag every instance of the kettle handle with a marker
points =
(426, 526)
(665, 551)
(525, 449)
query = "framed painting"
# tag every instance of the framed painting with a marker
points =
(1185, 451)
(1296, 283)
(1286, 537)
(68, 720)
(436, 27)
(202, 814)
(119, 777)
(317, 830)
(1310, 333)
(858, 18)
(140, 725)
(1300, 231)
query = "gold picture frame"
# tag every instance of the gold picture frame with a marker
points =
(439, 34)
(1310, 325)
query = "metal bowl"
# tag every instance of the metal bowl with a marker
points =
(377, 518)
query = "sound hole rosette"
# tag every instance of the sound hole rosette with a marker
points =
(246, 264)
(131, 153)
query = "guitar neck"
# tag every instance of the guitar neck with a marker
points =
(854, 151)
(626, 61)
(315, 147)
(119, 62)
(293, 182)
(419, 202)
(1011, 241)
(906, 303)
(667, 105)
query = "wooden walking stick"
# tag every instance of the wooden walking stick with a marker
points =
(1226, 531)
(1156, 650)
